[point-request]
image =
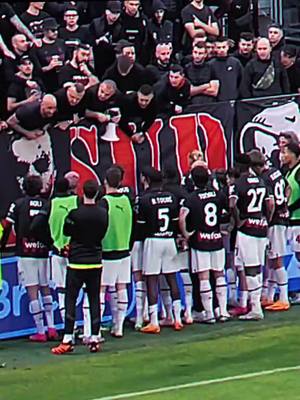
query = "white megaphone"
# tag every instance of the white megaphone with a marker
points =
(110, 134)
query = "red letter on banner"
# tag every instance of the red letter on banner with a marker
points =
(153, 138)
(88, 136)
(185, 128)
(216, 144)
(122, 153)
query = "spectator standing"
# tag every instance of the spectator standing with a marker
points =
(288, 57)
(23, 89)
(227, 70)
(162, 62)
(197, 17)
(105, 31)
(20, 47)
(50, 57)
(160, 29)
(276, 39)
(244, 52)
(263, 75)
(200, 73)
(134, 28)
(34, 16)
(78, 70)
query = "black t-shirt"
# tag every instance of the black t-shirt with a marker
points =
(42, 56)
(34, 22)
(168, 96)
(129, 83)
(294, 78)
(66, 111)
(69, 73)
(229, 72)
(251, 193)
(205, 15)
(205, 207)
(19, 89)
(200, 75)
(30, 118)
(132, 112)
(94, 104)
(21, 213)
(158, 213)
(277, 186)
(73, 38)
(86, 226)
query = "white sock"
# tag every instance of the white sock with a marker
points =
(48, 309)
(282, 280)
(272, 285)
(37, 314)
(122, 308)
(146, 309)
(67, 338)
(231, 281)
(177, 310)
(243, 299)
(86, 316)
(254, 289)
(166, 297)
(102, 302)
(61, 305)
(140, 293)
(113, 302)
(221, 292)
(188, 293)
(153, 314)
(207, 298)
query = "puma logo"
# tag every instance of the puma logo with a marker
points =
(120, 208)
(291, 119)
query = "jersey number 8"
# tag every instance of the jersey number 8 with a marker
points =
(210, 211)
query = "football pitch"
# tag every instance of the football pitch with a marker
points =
(236, 360)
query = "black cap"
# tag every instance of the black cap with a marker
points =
(121, 44)
(274, 25)
(290, 50)
(50, 23)
(23, 60)
(114, 6)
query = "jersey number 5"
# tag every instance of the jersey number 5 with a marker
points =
(164, 219)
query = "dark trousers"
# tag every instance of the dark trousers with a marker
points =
(74, 281)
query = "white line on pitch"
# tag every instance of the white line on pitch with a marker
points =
(200, 383)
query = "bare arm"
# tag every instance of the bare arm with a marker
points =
(182, 222)
(97, 115)
(213, 88)
(21, 27)
(14, 124)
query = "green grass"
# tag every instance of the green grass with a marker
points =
(140, 362)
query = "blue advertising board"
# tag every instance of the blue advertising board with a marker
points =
(16, 321)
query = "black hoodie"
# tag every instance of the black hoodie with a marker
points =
(162, 32)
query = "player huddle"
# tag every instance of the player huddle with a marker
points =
(223, 232)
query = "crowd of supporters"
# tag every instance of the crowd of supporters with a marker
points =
(155, 57)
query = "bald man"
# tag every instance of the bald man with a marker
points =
(264, 75)
(30, 120)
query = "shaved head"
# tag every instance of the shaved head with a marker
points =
(48, 106)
